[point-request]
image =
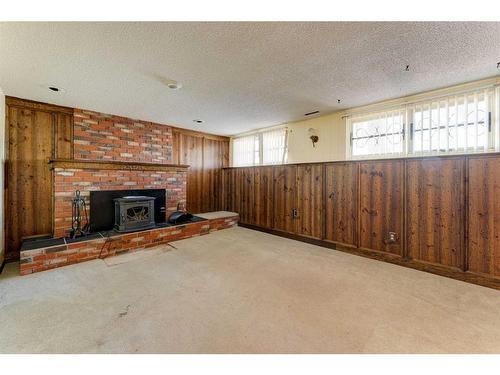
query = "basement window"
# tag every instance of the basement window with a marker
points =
(461, 123)
(262, 148)
(246, 151)
(380, 134)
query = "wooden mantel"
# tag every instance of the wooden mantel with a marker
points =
(117, 165)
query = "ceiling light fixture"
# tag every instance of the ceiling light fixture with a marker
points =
(198, 121)
(407, 69)
(338, 101)
(498, 65)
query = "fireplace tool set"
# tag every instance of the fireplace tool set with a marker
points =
(80, 220)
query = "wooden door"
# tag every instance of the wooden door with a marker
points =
(191, 153)
(484, 215)
(247, 208)
(341, 204)
(309, 185)
(284, 180)
(264, 196)
(381, 206)
(29, 179)
(435, 194)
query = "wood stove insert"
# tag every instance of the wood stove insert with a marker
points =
(134, 213)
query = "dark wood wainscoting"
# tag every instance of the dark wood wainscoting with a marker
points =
(284, 198)
(341, 203)
(435, 193)
(483, 222)
(309, 187)
(435, 214)
(381, 206)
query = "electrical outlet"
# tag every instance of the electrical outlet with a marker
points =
(392, 237)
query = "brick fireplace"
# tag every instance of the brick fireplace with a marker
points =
(87, 176)
(115, 153)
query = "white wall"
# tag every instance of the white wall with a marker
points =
(331, 129)
(331, 145)
(2, 162)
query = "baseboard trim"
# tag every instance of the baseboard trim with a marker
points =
(452, 273)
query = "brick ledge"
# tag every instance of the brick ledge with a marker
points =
(37, 260)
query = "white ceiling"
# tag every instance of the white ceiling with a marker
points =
(239, 76)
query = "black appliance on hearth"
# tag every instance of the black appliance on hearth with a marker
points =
(134, 212)
(102, 206)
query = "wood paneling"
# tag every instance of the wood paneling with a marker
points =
(284, 179)
(435, 195)
(63, 135)
(264, 196)
(191, 153)
(341, 208)
(309, 186)
(29, 181)
(429, 203)
(212, 169)
(231, 190)
(247, 197)
(484, 215)
(206, 155)
(381, 205)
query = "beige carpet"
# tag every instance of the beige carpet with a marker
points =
(242, 291)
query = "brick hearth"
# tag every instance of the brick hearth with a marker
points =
(45, 258)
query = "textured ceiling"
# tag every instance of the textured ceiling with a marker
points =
(239, 76)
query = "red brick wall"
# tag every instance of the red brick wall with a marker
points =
(99, 136)
(66, 181)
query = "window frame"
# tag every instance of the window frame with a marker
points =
(259, 140)
(492, 92)
(378, 114)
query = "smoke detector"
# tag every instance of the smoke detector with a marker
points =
(173, 85)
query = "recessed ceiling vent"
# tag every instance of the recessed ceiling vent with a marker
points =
(56, 89)
(311, 113)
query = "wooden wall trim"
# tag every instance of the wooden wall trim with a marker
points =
(196, 133)
(359, 161)
(25, 103)
(93, 164)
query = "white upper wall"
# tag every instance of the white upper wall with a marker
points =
(330, 146)
(332, 129)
